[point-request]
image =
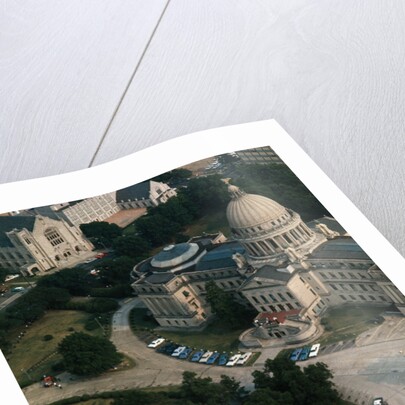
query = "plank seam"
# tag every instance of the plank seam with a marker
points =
(128, 84)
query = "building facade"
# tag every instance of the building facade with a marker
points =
(97, 208)
(143, 195)
(275, 263)
(259, 156)
(36, 244)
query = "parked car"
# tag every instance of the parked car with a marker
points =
(232, 361)
(295, 354)
(213, 358)
(244, 358)
(304, 354)
(177, 352)
(17, 289)
(378, 401)
(197, 356)
(185, 353)
(223, 359)
(314, 350)
(101, 255)
(155, 343)
(205, 357)
(171, 348)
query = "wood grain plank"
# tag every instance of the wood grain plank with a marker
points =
(330, 72)
(63, 68)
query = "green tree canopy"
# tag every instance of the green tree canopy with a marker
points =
(101, 232)
(225, 307)
(3, 274)
(132, 246)
(84, 354)
(282, 378)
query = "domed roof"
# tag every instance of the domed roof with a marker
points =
(247, 210)
(173, 255)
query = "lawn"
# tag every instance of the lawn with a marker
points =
(347, 322)
(33, 356)
(214, 337)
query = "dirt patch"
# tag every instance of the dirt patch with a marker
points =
(125, 217)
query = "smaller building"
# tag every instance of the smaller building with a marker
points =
(92, 209)
(143, 195)
(259, 156)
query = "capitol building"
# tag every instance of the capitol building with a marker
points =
(289, 271)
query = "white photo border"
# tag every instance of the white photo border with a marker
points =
(166, 156)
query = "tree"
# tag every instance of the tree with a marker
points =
(132, 246)
(282, 378)
(84, 354)
(225, 307)
(102, 233)
(3, 273)
(203, 391)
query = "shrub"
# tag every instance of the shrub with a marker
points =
(47, 338)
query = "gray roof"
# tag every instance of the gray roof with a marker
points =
(220, 257)
(159, 278)
(330, 222)
(7, 224)
(339, 248)
(50, 213)
(272, 273)
(136, 192)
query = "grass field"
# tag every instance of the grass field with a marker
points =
(347, 322)
(32, 356)
(214, 337)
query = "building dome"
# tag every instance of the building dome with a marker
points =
(269, 232)
(174, 255)
(249, 210)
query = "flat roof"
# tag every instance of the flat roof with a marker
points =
(339, 248)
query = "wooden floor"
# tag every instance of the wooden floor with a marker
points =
(84, 82)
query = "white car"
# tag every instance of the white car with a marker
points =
(314, 350)
(232, 361)
(205, 357)
(244, 358)
(156, 342)
(177, 352)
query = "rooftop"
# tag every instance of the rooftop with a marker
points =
(220, 256)
(339, 248)
(7, 224)
(136, 192)
(330, 222)
(272, 273)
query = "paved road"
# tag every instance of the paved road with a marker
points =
(375, 368)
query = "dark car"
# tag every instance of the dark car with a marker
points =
(197, 355)
(223, 359)
(295, 354)
(213, 358)
(168, 347)
(304, 354)
(185, 353)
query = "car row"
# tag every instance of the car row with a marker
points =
(304, 353)
(199, 356)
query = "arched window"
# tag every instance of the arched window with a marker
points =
(53, 236)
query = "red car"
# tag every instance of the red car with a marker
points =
(101, 255)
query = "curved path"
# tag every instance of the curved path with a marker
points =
(375, 368)
(152, 369)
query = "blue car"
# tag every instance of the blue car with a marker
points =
(185, 353)
(304, 353)
(223, 359)
(197, 355)
(295, 354)
(212, 359)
